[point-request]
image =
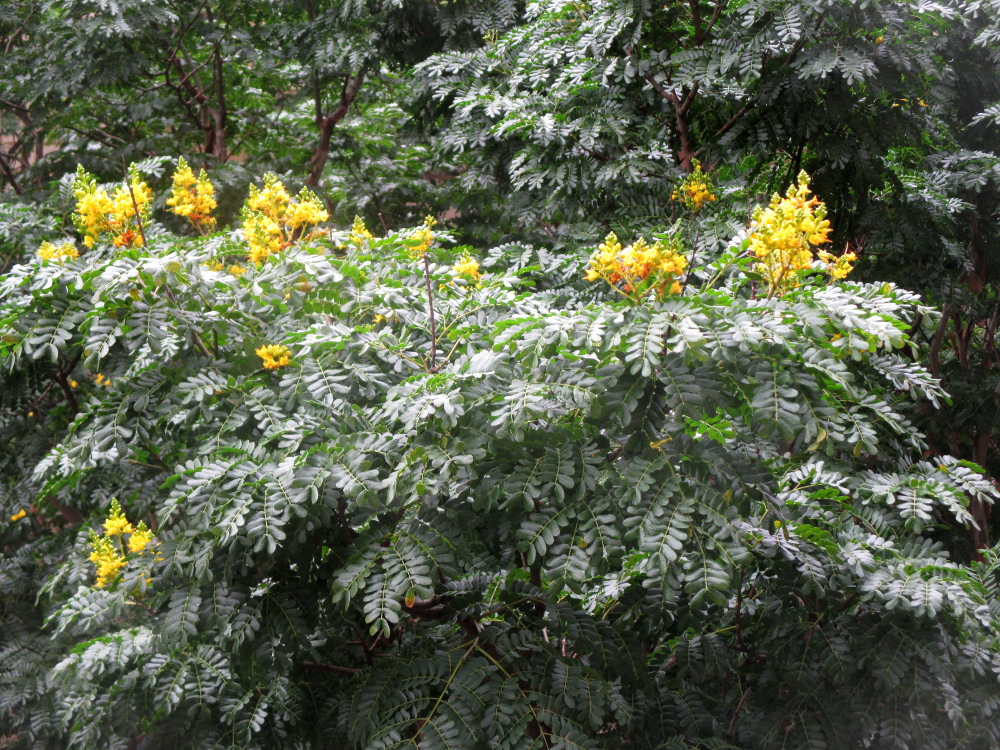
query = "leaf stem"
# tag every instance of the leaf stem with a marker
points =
(430, 307)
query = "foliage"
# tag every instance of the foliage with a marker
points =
(399, 493)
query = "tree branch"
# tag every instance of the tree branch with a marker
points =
(349, 92)
(334, 668)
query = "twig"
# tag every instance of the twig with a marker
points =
(335, 668)
(135, 205)
(736, 714)
(430, 307)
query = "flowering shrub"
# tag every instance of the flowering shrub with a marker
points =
(541, 512)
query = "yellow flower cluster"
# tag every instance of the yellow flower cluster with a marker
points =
(695, 190)
(638, 269)
(424, 238)
(98, 213)
(838, 266)
(101, 380)
(359, 233)
(108, 550)
(117, 524)
(273, 220)
(467, 266)
(274, 356)
(19, 515)
(193, 197)
(784, 234)
(66, 250)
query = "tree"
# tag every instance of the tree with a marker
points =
(397, 494)
(586, 115)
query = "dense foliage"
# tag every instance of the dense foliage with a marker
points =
(392, 494)
(622, 452)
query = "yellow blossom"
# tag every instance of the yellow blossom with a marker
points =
(19, 515)
(109, 556)
(237, 270)
(837, 266)
(272, 221)
(467, 266)
(193, 198)
(306, 211)
(101, 380)
(425, 238)
(106, 557)
(140, 538)
(73, 383)
(48, 251)
(695, 190)
(98, 214)
(116, 524)
(784, 234)
(359, 232)
(640, 268)
(274, 356)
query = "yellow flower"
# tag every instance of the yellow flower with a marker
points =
(784, 234)
(274, 356)
(193, 198)
(306, 211)
(140, 538)
(695, 190)
(107, 559)
(19, 515)
(272, 222)
(48, 251)
(116, 524)
(359, 232)
(837, 266)
(467, 266)
(101, 380)
(98, 214)
(73, 383)
(640, 268)
(237, 270)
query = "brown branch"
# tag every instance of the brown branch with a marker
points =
(732, 723)
(430, 307)
(8, 173)
(220, 114)
(348, 93)
(695, 6)
(719, 7)
(334, 668)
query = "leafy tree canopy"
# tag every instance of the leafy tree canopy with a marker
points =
(379, 491)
